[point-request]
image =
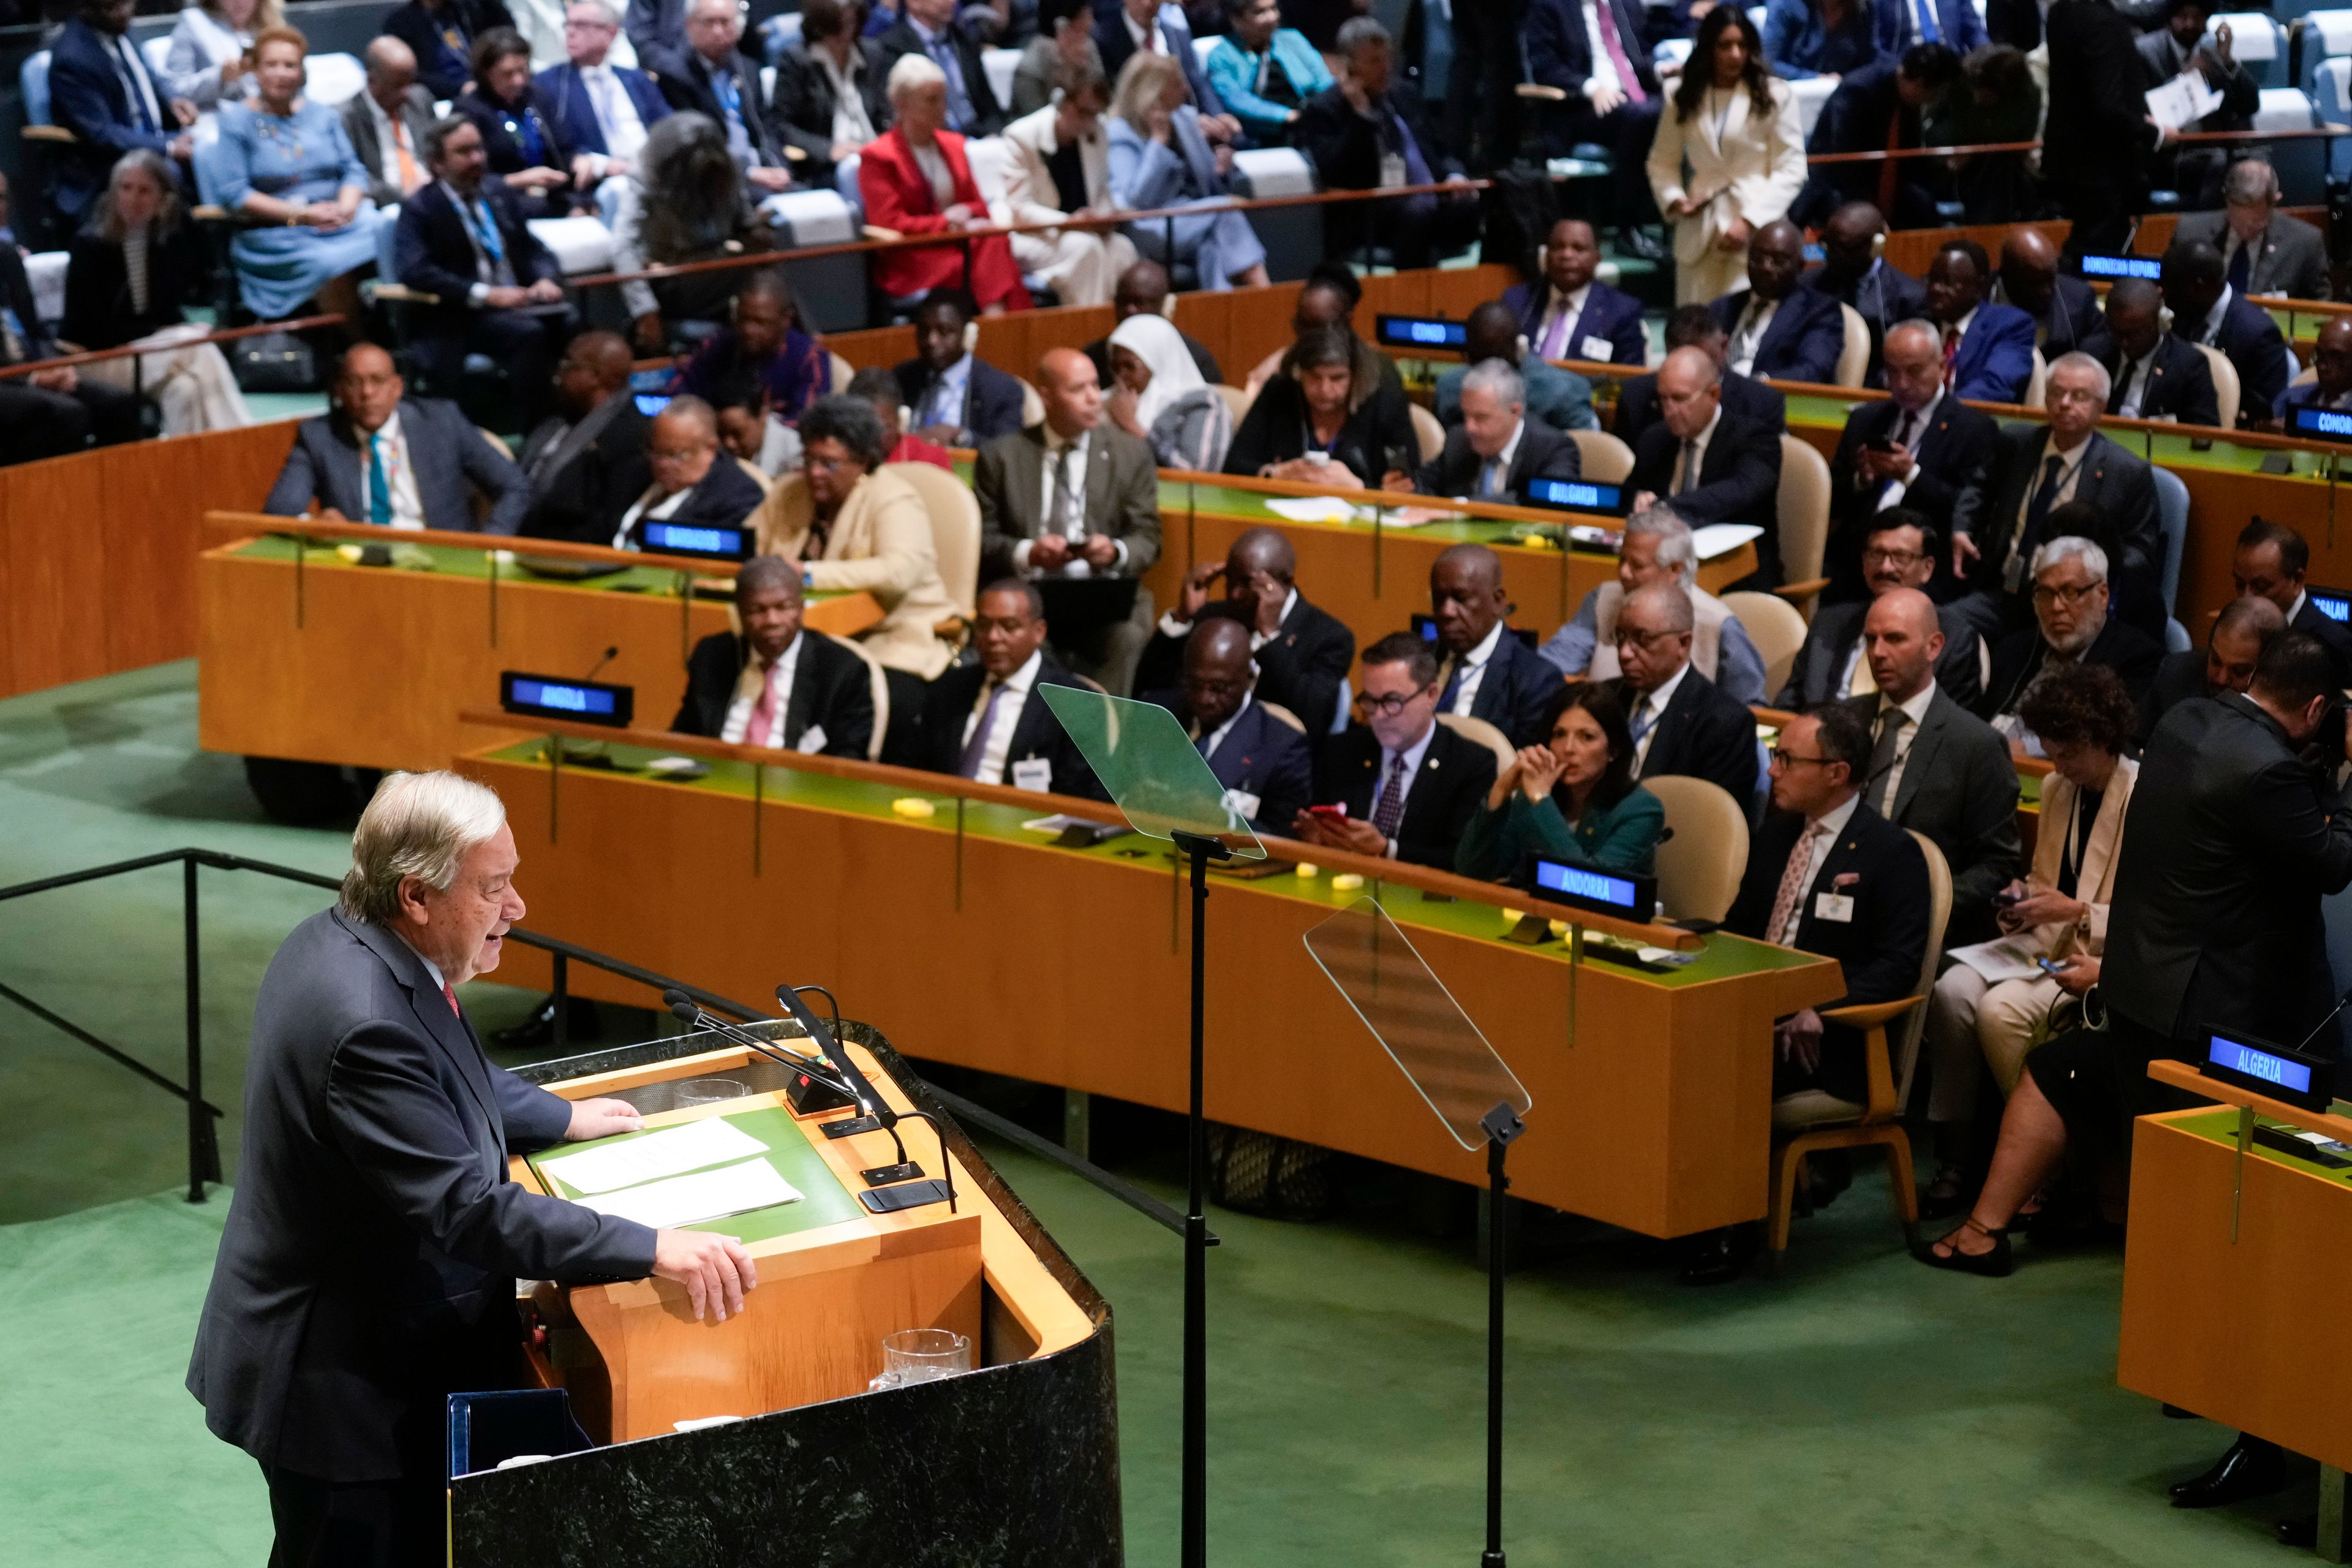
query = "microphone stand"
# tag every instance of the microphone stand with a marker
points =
(875, 1113)
(2342, 1001)
(682, 1008)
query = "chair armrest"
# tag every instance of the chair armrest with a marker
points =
(57, 133)
(875, 231)
(1870, 1014)
(1796, 592)
(401, 293)
(1541, 91)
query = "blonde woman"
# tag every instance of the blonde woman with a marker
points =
(1160, 157)
(210, 59)
(1733, 126)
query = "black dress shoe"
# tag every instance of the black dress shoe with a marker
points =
(1639, 243)
(1721, 1256)
(2303, 1531)
(2251, 1469)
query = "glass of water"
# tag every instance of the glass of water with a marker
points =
(709, 1090)
(923, 1355)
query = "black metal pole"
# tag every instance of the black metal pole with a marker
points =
(200, 1127)
(563, 1000)
(1497, 1231)
(1195, 1540)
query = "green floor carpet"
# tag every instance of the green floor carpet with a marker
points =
(1863, 1410)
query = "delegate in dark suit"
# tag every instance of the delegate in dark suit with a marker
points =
(987, 115)
(690, 84)
(1864, 114)
(2179, 677)
(437, 249)
(2071, 320)
(2018, 659)
(2251, 341)
(569, 110)
(1750, 402)
(1959, 788)
(1878, 948)
(2109, 478)
(1802, 343)
(1738, 481)
(1954, 454)
(2097, 137)
(1703, 734)
(36, 422)
(1512, 692)
(2289, 257)
(1837, 635)
(991, 399)
(1300, 666)
(87, 98)
(1259, 756)
(722, 498)
(2216, 921)
(1609, 315)
(2175, 384)
(801, 109)
(1557, 39)
(1454, 777)
(447, 455)
(1117, 47)
(443, 39)
(583, 478)
(2333, 634)
(1347, 148)
(416, 112)
(1037, 735)
(1995, 360)
(1543, 454)
(367, 1268)
(1884, 296)
(831, 689)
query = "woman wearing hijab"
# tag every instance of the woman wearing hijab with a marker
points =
(1159, 396)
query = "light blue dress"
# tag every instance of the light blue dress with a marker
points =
(1145, 175)
(303, 157)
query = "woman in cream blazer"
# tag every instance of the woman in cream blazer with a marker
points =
(1735, 125)
(1082, 265)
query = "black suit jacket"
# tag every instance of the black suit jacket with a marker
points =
(1750, 401)
(2097, 127)
(2215, 921)
(1803, 341)
(422, 31)
(582, 498)
(2179, 384)
(1455, 776)
(1738, 481)
(1959, 788)
(431, 251)
(1703, 734)
(1954, 454)
(2112, 480)
(2179, 677)
(503, 138)
(1037, 734)
(686, 82)
(1837, 628)
(1559, 50)
(1880, 867)
(1543, 454)
(2072, 321)
(1885, 296)
(367, 1268)
(801, 109)
(1299, 667)
(98, 313)
(723, 498)
(2018, 658)
(1261, 756)
(2333, 635)
(1518, 681)
(988, 115)
(831, 689)
(991, 403)
(2251, 341)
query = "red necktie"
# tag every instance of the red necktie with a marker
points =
(452, 995)
(1951, 351)
(763, 713)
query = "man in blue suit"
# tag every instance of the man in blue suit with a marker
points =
(1487, 672)
(1988, 348)
(2207, 310)
(385, 457)
(1567, 315)
(1777, 328)
(442, 33)
(2331, 361)
(1259, 755)
(1896, 25)
(102, 90)
(599, 112)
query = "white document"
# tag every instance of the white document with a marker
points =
(2004, 958)
(665, 1154)
(2183, 101)
(1722, 538)
(706, 1195)
(1311, 509)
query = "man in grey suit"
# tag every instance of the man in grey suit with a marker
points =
(1936, 768)
(2263, 250)
(1073, 505)
(368, 1265)
(1900, 552)
(391, 109)
(385, 457)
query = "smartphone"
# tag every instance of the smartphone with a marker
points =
(1880, 445)
(2049, 968)
(1328, 813)
(2004, 899)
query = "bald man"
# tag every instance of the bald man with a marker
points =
(1681, 722)
(2226, 663)
(2065, 310)
(1936, 768)
(1302, 653)
(1778, 328)
(2156, 375)
(389, 119)
(586, 461)
(1854, 273)
(1709, 464)
(1072, 504)
(696, 482)
(1258, 751)
(2331, 382)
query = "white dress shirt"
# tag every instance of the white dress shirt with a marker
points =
(649, 509)
(1694, 452)
(779, 680)
(2213, 322)
(1604, 77)
(1008, 716)
(1655, 707)
(617, 116)
(2132, 379)
(1502, 461)
(1907, 432)
(1156, 40)
(407, 504)
(1754, 321)
(1070, 523)
(1823, 833)
(1472, 669)
(1916, 710)
(943, 404)
(1412, 755)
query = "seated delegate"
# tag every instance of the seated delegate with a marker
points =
(829, 99)
(1559, 398)
(586, 461)
(1327, 298)
(1658, 548)
(1487, 672)
(915, 179)
(956, 398)
(1899, 551)
(1157, 396)
(386, 120)
(1708, 463)
(521, 148)
(2071, 626)
(762, 360)
(598, 113)
(1681, 722)
(1265, 72)
(1695, 327)
(696, 484)
(1397, 784)
(1370, 130)
(1142, 290)
(1321, 419)
(1571, 798)
(1060, 169)
(1495, 451)
(1567, 313)
(1302, 653)
(1161, 156)
(776, 684)
(1776, 327)
(984, 721)
(1260, 756)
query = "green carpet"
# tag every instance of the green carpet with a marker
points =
(1862, 1410)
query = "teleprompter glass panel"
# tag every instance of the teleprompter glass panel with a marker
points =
(1417, 1020)
(1155, 773)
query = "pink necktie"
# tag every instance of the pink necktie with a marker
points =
(763, 713)
(1556, 342)
(1605, 12)
(1792, 882)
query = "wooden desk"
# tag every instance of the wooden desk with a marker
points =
(991, 948)
(293, 655)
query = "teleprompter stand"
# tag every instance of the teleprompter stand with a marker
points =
(1200, 851)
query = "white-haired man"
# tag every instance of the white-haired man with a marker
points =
(599, 112)
(1658, 549)
(1496, 448)
(2263, 250)
(367, 1268)
(2071, 626)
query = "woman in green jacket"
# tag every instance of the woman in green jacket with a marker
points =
(1572, 799)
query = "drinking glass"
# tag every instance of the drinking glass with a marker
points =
(923, 1355)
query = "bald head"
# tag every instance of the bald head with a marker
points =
(2028, 269)
(1847, 242)
(1902, 638)
(1072, 392)
(594, 367)
(1776, 258)
(1660, 607)
(1264, 550)
(2243, 628)
(681, 443)
(391, 69)
(1690, 389)
(1142, 289)
(1492, 332)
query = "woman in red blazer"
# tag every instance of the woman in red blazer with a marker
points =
(900, 194)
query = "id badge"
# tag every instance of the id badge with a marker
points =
(1033, 773)
(1392, 170)
(1838, 907)
(812, 740)
(1241, 803)
(1600, 350)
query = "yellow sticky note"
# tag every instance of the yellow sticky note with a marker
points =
(1346, 882)
(1305, 870)
(1513, 916)
(914, 807)
(1560, 928)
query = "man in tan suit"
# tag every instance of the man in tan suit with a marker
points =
(846, 523)
(1073, 505)
(1060, 169)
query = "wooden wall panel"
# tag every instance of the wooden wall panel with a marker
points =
(61, 593)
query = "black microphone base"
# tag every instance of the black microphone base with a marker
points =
(883, 1175)
(810, 1098)
(851, 1126)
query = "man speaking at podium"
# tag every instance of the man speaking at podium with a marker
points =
(367, 1268)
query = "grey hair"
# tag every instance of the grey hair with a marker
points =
(763, 573)
(1675, 548)
(1357, 31)
(2251, 181)
(602, 7)
(1916, 323)
(2070, 547)
(912, 71)
(1496, 377)
(421, 826)
(2081, 360)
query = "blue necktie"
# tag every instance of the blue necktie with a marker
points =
(2240, 265)
(1928, 32)
(1643, 722)
(479, 212)
(379, 485)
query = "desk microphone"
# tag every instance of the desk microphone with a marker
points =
(2341, 1003)
(682, 1007)
(875, 1113)
(610, 654)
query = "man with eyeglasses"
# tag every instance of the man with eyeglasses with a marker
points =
(1921, 449)
(1900, 552)
(1258, 751)
(985, 722)
(2071, 627)
(1681, 722)
(694, 484)
(1397, 784)
(1658, 548)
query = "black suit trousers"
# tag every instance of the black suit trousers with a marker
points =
(35, 423)
(524, 342)
(1627, 131)
(356, 1524)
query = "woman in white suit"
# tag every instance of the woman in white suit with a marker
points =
(1735, 126)
(1081, 264)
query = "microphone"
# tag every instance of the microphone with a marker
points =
(876, 1112)
(682, 1008)
(610, 654)
(2341, 1003)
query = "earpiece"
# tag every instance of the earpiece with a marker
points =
(1878, 245)
(2164, 318)
(971, 336)
(1525, 347)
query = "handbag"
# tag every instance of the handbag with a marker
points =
(274, 362)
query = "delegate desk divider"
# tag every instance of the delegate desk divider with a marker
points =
(971, 937)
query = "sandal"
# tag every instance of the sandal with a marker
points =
(1995, 1263)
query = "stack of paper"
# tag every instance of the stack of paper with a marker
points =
(706, 1195)
(668, 1153)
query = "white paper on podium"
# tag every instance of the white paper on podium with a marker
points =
(2183, 101)
(1311, 509)
(1722, 538)
(668, 1153)
(706, 1195)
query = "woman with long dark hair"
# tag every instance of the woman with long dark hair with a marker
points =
(684, 202)
(520, 148)
(1573, 798)
(1728, 157)
(1320, 421)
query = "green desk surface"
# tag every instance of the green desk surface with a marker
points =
(453, 561)
(1723, 956)
(2221, 1127)
(823, 1200)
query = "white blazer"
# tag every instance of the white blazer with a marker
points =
(1029, 188)
(1752, 166)
(2094, 879)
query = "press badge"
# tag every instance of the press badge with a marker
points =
(1838, 907)
(1600, 350)
(1241, 803)
(1033, 773)
(812, 740)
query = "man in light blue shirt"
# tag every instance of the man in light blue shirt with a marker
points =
(1559, 398)
(1658, 549)
(1264, 71)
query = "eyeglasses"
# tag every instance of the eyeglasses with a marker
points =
(1642, 639)
(1892, 557)
(657, 455)
(1389, 707)
(1784, 758)
(2044, 598)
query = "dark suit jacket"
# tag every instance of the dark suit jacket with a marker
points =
(1345, 147)
(1112, 42)
(2072, 321)
(2097, 127)
(415, 113)
(1123, 494)
(1037, 734)
(1996, 356)
(2252, 340)
(1750, 401)
(1738, 481)
(1608, 312)
(2333, 634)
(657, 30)
(2215, 921)
(2294, 257)
(1885, 296)
(686, 85)
(723, 499)
(1512, 693)
(570, 114)
(1837, 628)
(1559, 50)
(1859, 115)
(433, 250)
(2018, 658)
(505, 139)
(2112, 480)
(583, 500)
(1879, 949)
(988, 115)
(2179, 384)
(1959, 788)
(1300, 668)
(367, 1268)
(422, 32)
(98, 312)
(801, 109)
(1455, 776)
(1275, 431)
(449, 456)
(1954, 454)
(831, 689)
(1803, 341)
(1260, 755)
(85, 97)
(1544, 453)
(2179, 677)
(1098, 350)
(991, 400)
(1703, 734)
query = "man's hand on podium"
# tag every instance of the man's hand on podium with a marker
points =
(602, 1119)
(715, 1270)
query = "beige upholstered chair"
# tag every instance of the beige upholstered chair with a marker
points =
(2227, 392)
(1428, 432)
(1237, 402)
(1604, 458)
(1700, 863)
(1803, 509)
(1032, 407)
(1854, 360)
(842, 372)
(2305, 376)
(954, 512)
(2037, 385)
(875, 683)
(758, 475)
(1775, 627)
(1481, 732)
